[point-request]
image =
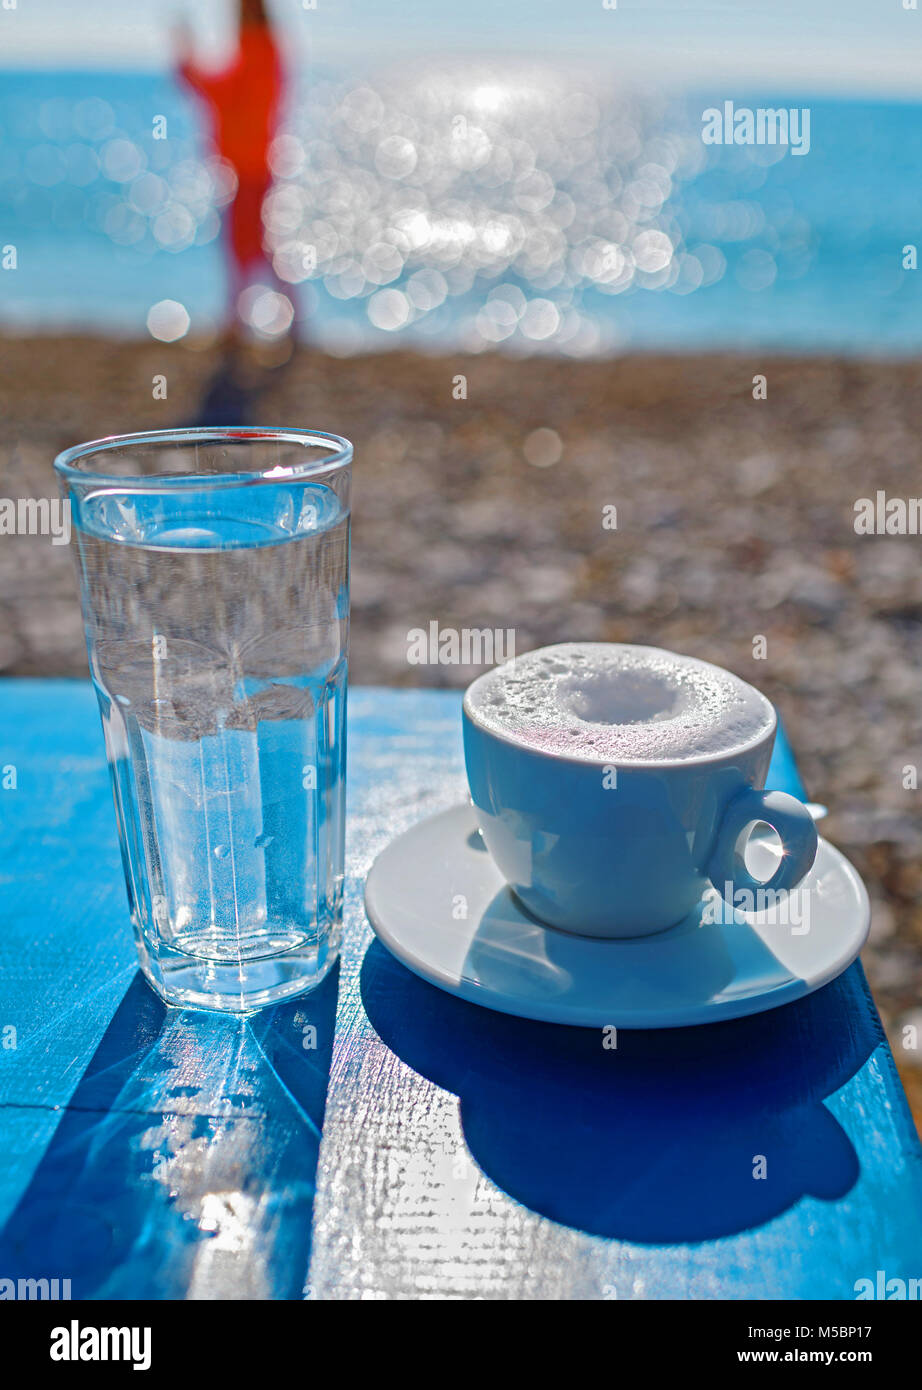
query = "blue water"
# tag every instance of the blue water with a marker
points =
(472, 209)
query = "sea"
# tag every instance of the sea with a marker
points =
(525, 208)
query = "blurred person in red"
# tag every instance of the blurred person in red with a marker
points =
(243, 100)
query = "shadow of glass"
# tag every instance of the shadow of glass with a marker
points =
(184, 1165)
(656, 1140)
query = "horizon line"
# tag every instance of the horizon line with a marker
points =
(900, 83)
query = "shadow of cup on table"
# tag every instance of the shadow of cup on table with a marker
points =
(184, 1165)
(655, 1141)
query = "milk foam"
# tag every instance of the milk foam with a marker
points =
(607, 701)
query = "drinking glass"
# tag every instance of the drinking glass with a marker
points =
(214, 576)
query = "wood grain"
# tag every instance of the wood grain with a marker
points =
(463, 1154)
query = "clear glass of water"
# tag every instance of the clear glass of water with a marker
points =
(214, 572)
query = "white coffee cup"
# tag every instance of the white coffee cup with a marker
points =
(613, 847)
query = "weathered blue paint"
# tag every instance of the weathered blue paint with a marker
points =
(170, 1154)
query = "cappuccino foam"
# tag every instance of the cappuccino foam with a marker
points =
(610, 702)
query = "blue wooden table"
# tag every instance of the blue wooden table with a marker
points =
(381, 1139)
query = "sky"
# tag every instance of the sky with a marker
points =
(872, 46)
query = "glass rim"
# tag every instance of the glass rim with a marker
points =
(66, 463)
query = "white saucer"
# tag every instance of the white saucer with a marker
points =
(422, 885)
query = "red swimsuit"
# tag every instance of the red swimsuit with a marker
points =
(243, 101)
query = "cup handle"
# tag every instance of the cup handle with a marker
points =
(794, 826)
